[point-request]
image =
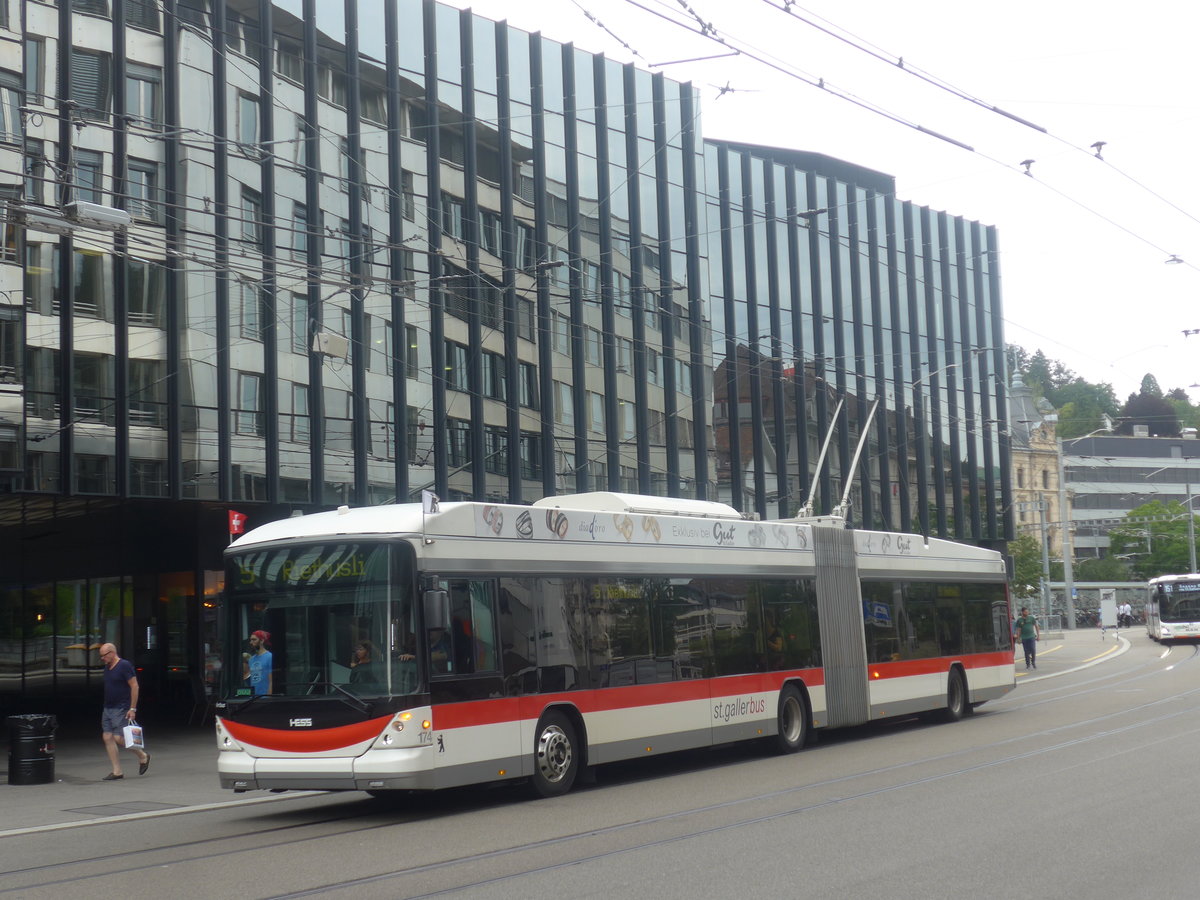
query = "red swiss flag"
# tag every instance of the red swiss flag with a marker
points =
(237, 522)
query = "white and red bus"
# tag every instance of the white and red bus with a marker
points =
(1173, 607)
(419, 648)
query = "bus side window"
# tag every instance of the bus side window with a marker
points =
(470, 644)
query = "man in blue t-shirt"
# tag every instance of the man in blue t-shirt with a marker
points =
(120, 708)
(258, 664)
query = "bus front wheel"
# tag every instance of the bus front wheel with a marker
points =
(555, 756)
(793, 720)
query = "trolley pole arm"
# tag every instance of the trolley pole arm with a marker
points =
(806, 509)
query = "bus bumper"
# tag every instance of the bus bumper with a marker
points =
(382, 769)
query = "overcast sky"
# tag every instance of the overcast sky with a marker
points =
(1083, 241)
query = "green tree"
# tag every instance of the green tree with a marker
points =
(1082, 407)
(1107, 568)
(1154, 538)
(1026, 554)
(1148, 407)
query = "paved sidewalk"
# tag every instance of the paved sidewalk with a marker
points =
(182, 775)
(183, 767)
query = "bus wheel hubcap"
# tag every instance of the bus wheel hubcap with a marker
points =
(791, 723)
(554, 754)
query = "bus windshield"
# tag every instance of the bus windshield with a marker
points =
(1179, 602)
(321, 618)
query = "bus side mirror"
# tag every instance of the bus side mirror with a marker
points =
(437, 609)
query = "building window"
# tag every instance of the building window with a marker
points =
(89, 176)
(408, 196)
(12, 344)
(93, 474)
(93, 384)
(91, 7)
(299, 229)
(289, 60)
(564, 405)
(142, 190)
(452, 217)
(91, 82)
(411, 356)
(9, 193)
(252, 216)
(249, 417)
(495, 445)
(529, 386)
(331, 85)
(142, 14)
(458, 442)
(456, 366)
(146, 287)
(143, 94)
(35, 69)
(299, 322)
(408, 273)
(531, 456)
(147, 382)
(10, 448)
(295, 424)
(251, 313)
(495, 377)
(35, 170)
(384, 347)
(247, 121)
(595, 406)
(194, 13)
(414, 427)
(372, 103)
(91, 284)
(147, 478)
(337, 243)
(242, 34)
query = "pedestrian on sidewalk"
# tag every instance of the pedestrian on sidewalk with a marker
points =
(1026, 629)
(120, 708)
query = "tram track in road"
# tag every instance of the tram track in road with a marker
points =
(634, 845)
(1054, 692)
(256, 839)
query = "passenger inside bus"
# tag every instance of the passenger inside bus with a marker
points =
(363, 669)
(439, 650)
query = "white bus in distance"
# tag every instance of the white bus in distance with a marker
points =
(1173, 607)
(421, 648)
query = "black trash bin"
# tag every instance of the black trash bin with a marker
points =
(31, 749)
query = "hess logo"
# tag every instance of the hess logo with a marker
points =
(300, 723)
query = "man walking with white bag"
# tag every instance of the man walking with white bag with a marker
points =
(120, 708)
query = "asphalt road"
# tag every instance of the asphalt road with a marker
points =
(1073, 786)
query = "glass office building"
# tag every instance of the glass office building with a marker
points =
(282, 256)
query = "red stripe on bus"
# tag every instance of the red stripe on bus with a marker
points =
(907, 667)
(307, 740)
(492, 712)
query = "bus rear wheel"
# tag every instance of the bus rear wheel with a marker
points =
(792, 720)
(956, 697)
(555, 756)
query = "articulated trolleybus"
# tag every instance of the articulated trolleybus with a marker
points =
(420, 647)
(1173, 607)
